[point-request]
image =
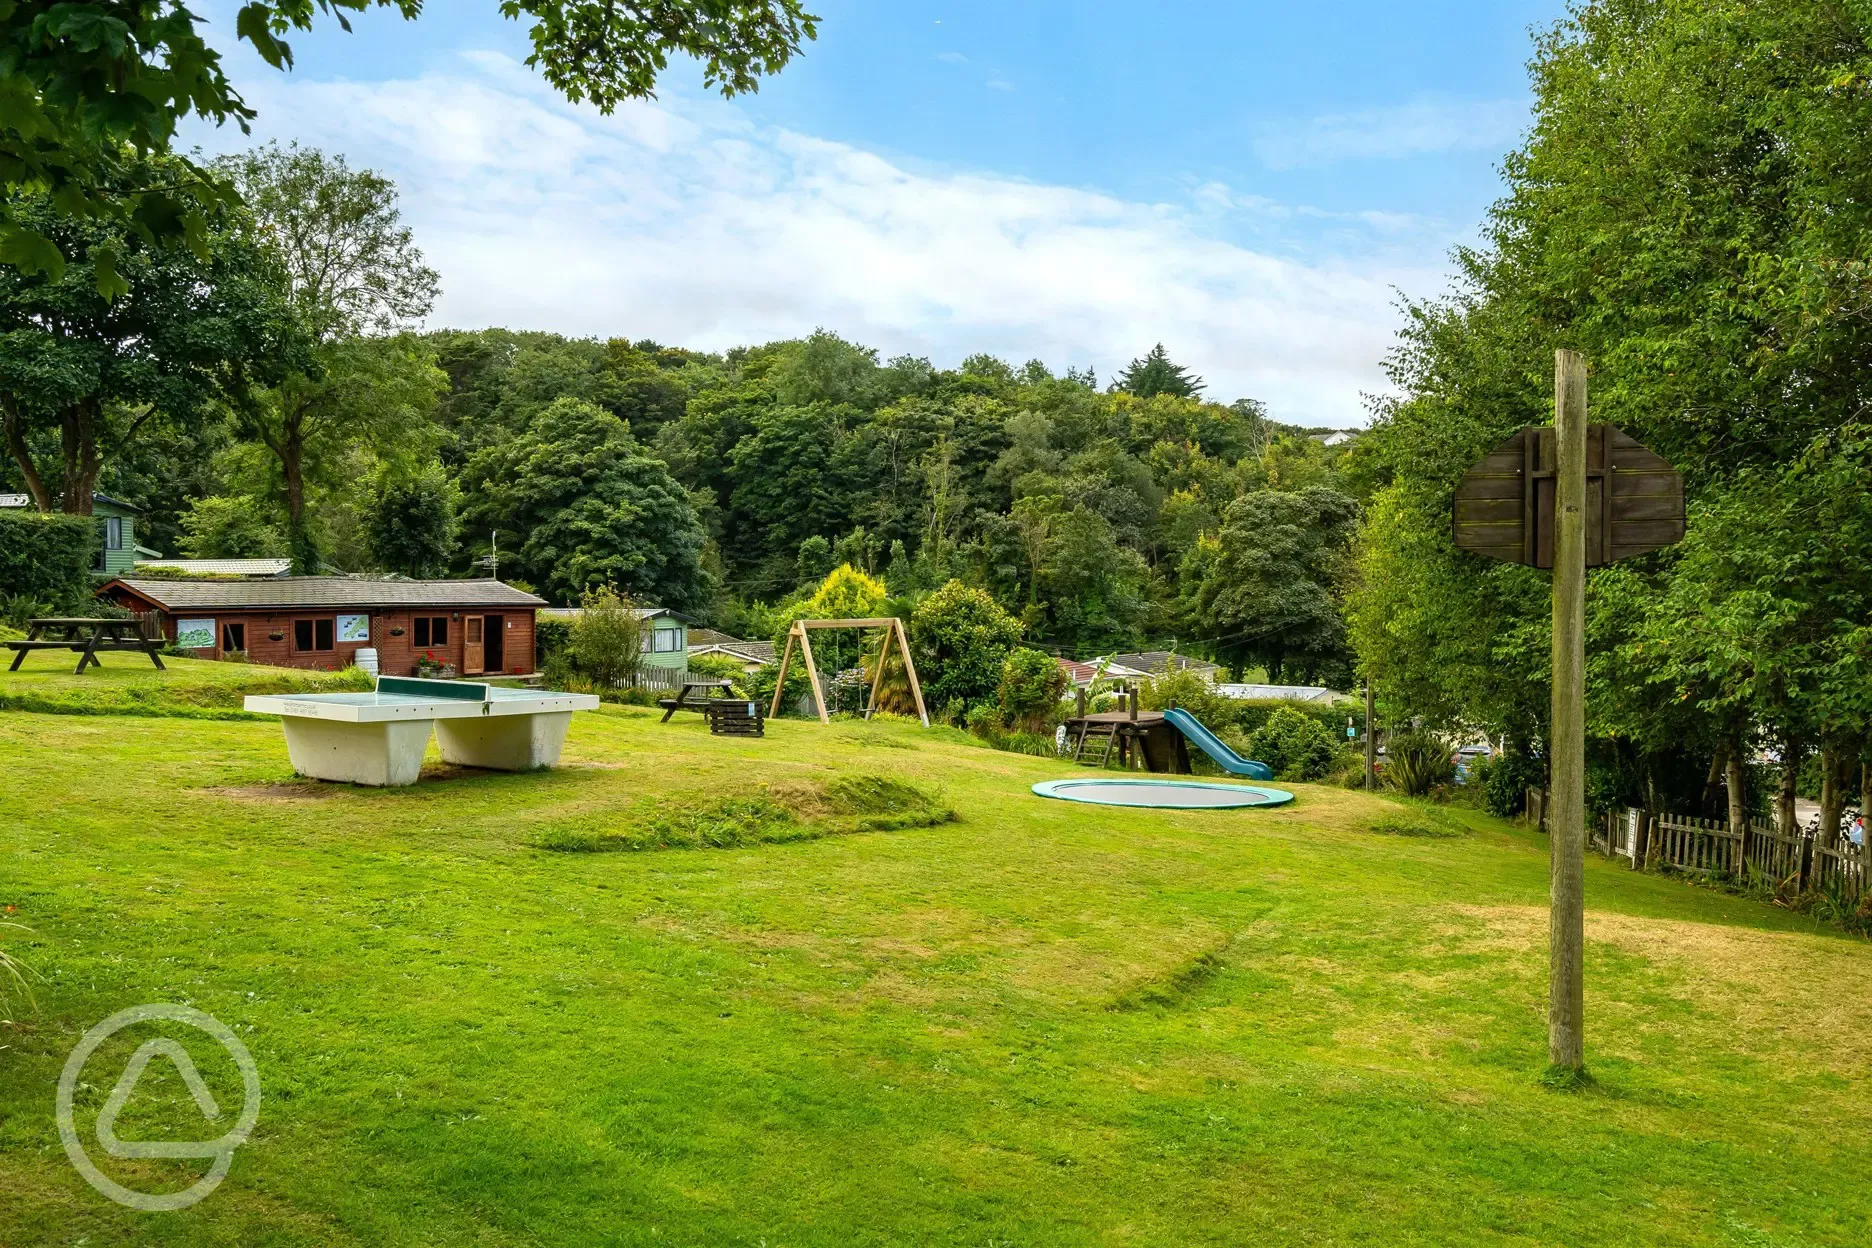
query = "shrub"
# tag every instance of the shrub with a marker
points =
(1031, 686)
(961, 637)
(1417, 762)
(46, 558)
(722, 667)
(552, 638)
(1505, 779)
(1185, 689)
(607, 639)
(1294, 745)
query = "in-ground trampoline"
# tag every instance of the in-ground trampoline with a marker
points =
(1166, 794)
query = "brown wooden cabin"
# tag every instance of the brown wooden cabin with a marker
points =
(477, 627)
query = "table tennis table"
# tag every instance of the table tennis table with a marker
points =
(379, 738)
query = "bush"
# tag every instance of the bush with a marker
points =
(46, 558)
(1417, 762)
(1294, 745)
(961, 637)
(552, 638)
(1031, 687)
(1217, 711)
(1504, 781)
(607, 639)
(722, 667)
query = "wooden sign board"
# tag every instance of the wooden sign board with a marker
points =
(1505, 504)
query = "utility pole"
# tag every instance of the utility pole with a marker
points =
(1567, 825)
(1371, 743)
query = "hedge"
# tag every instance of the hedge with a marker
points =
(46, 558)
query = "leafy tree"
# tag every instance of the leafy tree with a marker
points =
(93, 84)
(1156, 374)
(232, 527)
(1092, 586)
(371, 392)
(607, 638)
(90, 376)
(1267, 596)
(593, 508)
(412, 526)
(815, 560)
(1295, 745)
(353, 267)
(961, 637)
(1031, 687)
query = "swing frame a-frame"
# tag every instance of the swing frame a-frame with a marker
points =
(800, 635)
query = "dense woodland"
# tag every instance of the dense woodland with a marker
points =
(722, 485)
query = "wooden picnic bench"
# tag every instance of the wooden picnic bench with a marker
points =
(85, 637)
(695, 696)
(736, 717)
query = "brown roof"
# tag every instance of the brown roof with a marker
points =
(291, 593)
(711, 637)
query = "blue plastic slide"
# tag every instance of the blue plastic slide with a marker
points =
(1212, 745)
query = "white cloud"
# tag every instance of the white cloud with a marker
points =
(1425, 125)
(687, 223)
(952, 58)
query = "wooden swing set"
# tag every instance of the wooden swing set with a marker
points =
(893, 630)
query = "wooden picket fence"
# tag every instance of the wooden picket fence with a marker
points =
(1713, 847)
(661, 679)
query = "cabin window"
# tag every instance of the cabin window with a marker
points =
(113, 533)
(431, 630)
(668, 640)
(313, 636)
(234, 637)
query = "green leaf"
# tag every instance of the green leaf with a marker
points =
(30, 251)
(110, 283)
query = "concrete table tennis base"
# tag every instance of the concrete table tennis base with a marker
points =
(390, 754)
(386, 754)
(506, 743)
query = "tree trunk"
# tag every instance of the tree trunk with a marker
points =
(1865, 815)
(1713, 783)
(1737, 778)
(292, 467)
(78, 433)
(1834, 770)
(22, 455)
(1787, 790)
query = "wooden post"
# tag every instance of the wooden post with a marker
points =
(1371, 744)
(812, 673)
(1081, 699)
(916, 686)
(786, 657)
(877, 677)
(1566, 1008)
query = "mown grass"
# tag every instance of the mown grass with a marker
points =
(1039, 1023)
(131, 685)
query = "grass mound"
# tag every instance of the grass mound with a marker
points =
(188, 689)
(803, 812)
(1410, 823)
(1174, 988)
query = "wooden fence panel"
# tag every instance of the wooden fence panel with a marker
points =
(1712, 847)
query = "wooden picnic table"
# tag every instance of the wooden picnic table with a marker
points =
(85, 637)
(689, 699)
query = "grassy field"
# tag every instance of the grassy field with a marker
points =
(1038, 1023)
(131, 685)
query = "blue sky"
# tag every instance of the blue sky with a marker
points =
(1250, 183)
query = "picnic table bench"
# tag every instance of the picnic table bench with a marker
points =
(695, 696)
(85, 637)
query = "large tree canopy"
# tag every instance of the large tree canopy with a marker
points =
(88, 85)
(591, 509)
(82, 376)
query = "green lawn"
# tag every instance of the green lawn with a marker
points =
(130, 684)
(1038, 1024)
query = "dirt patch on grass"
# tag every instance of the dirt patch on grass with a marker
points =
(1779, 992)
(288, 791)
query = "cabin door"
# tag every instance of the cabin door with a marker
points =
(474, 646)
